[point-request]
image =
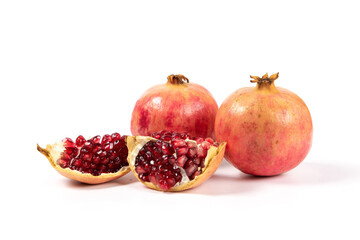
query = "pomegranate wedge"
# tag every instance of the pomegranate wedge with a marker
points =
(171, 161)
(92, 161)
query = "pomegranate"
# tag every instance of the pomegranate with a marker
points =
(177, 105)
(170, 161)
(268, 129)
(91, 161)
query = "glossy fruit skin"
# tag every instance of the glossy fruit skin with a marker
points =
(268, 130)
(184, 107)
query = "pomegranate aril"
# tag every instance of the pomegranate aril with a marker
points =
(68, 142)
(80, 140)
(206, 145)
(85, 165)
(180, 161)
(181, 151)
(62, 163)
(199, 140)
(201, 152)
(209, 140)
(196, 173)
(152, 178)
(178, 143)
(115, 136)
(95, 139)
(88, 145)
(191, 144)
(192, 152)
(166, 149)
(140, 170)
(105, 139)
(144, 177)
(196, 160)
(190, 168)
(86, 157)
(105, 161)
(108, 146)
(76, 163)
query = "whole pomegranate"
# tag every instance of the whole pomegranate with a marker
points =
(177, 105)
(268, 130)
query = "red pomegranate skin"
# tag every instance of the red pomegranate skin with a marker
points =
(177, 106)
(268, 130)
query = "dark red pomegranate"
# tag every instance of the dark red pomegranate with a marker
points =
(171, 161)
(92, 161)
(268, 129)
(177, 105)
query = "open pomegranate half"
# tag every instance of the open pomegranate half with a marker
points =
(92, 161)
(171, 161)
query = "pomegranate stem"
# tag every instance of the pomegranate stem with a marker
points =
(177, 79)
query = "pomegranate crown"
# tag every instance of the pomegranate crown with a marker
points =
(177, 79)
(264, 79)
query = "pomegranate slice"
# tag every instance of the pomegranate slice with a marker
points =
(171, 161)
(92, 161)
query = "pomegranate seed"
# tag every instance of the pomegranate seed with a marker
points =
(115, 136)
(95, 139)
(192, 152)
(88, 145)
(62, 163)
(96, 159)
(205, 145)
(196, 173)
(199, 140)
(80, 140)
(191, 144)
(209, 140)
(140, 170)
(178, 143)
(181, 161)
(191, 168)
(201, 152)
(87, 157)
(181, 151)
(166, 149)
(105, 139)
(68, 142)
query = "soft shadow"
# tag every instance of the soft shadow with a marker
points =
(230, 181)
(124, 180)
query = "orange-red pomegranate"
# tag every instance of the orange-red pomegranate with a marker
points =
(268, 130)
(178, 106)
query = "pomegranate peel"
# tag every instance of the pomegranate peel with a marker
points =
(212, 161)
(55, 153)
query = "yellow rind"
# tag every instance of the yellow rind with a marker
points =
(49, 153)
(212, 162)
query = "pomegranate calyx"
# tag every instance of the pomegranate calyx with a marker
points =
(177, 79)
(264, 79)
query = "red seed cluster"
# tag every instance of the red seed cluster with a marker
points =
(96, 155)
(158, 161)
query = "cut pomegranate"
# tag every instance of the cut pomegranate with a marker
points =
(93, 158)
(171, 161)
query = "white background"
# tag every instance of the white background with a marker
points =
(78, 67)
